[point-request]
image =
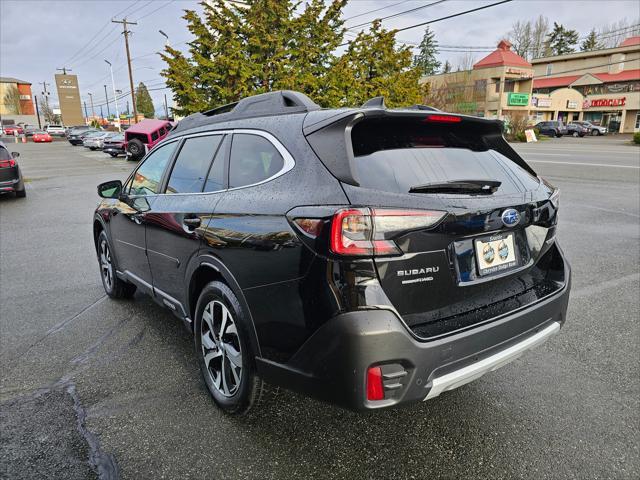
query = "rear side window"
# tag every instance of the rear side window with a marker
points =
(192, 165)
(4, 154)
(154, 136)
(253, 160)
(146, 180)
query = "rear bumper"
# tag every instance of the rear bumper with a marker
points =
(11, 185)
(333, 362)
(75, 141)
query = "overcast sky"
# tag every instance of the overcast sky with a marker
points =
(36, 37)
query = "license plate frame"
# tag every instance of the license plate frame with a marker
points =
(502, 260)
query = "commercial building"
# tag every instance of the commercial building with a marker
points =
(601, 86)
(16, 102)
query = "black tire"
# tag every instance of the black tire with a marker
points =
(250, 390)
(113, 155)
(21, 193)
(92, 148)
(136, 148)
(113, 286)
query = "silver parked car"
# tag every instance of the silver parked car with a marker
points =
(95, 141)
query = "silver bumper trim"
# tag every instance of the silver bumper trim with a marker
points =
(475, 370)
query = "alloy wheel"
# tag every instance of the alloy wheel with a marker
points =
(106, 267)
(221, 348)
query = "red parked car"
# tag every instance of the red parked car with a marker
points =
(143, 136)
(40, 136)
(11, 129)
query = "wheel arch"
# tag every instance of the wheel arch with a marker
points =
(207, 268)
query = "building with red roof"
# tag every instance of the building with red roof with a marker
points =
(600, 86)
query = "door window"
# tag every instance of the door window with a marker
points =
(193, 162)
(146, 180)
(215, 179)
(253, 160)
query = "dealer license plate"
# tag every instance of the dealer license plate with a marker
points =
(496, 253)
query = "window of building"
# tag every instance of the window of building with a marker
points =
(193, 162)
(549, 68)
(509, 85)
(253, 160)
(637, 127)
(497, 86)
(146, 180)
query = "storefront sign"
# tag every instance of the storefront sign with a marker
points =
(571, 104)
(518, 99)
(25, 97)
(541, 102)
(520, 73)
(466, 107)
(605, 102)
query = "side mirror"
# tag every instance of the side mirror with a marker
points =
(110, 189)
(15, 154)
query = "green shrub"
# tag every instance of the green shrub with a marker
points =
(521, 137)
(636, 138)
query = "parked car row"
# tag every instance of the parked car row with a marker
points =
(556, 128)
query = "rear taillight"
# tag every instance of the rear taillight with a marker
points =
(7, 163)
(370, 231)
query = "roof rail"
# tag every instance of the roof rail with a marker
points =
(375, 102)
(278, 102)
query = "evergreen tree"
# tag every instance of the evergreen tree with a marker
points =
(268, 45)
(447, 67)
(426, 60)
(144, 104)
(591, 42)
(562, 40)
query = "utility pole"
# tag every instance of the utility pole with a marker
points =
(45, 95)
(38, 112)
(93, 112)
(101, 114)
(64, 70)
(166, 110)
(86, 115)
(128, 108)
(126, 34)
(115, 96)
(107, 97)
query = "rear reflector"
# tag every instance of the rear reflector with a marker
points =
(310, 226)
(370, 232)
(375, 388)
(443, 118)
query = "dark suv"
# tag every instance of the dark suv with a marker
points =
(552, 128)
(367, 256)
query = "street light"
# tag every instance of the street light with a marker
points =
(93, 112)
(115, 97)
(165, 36)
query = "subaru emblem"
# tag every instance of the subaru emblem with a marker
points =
(510, 217)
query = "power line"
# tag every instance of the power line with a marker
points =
(398, 14)
(376, 10)
(155, 10)
(443, 18)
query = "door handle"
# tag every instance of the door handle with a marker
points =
(192, 222)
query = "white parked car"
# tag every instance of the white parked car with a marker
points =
(57, 130)
(593, 129)
(96, 140)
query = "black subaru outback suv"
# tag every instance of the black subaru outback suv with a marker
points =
(369, 257)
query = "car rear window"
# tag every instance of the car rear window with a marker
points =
(395, 157)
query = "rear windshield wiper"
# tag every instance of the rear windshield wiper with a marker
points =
(486, 187)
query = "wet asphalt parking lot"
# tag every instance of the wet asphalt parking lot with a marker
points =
(96, 388)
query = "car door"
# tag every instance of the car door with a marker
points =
(177, 219)
(128, 216)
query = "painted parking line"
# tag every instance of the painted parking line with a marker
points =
(585, 164)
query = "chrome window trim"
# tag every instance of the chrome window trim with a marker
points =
(289, 162)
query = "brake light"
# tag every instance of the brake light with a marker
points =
(370, 232)
(443, 118)
(375, 388)
(7, 163)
